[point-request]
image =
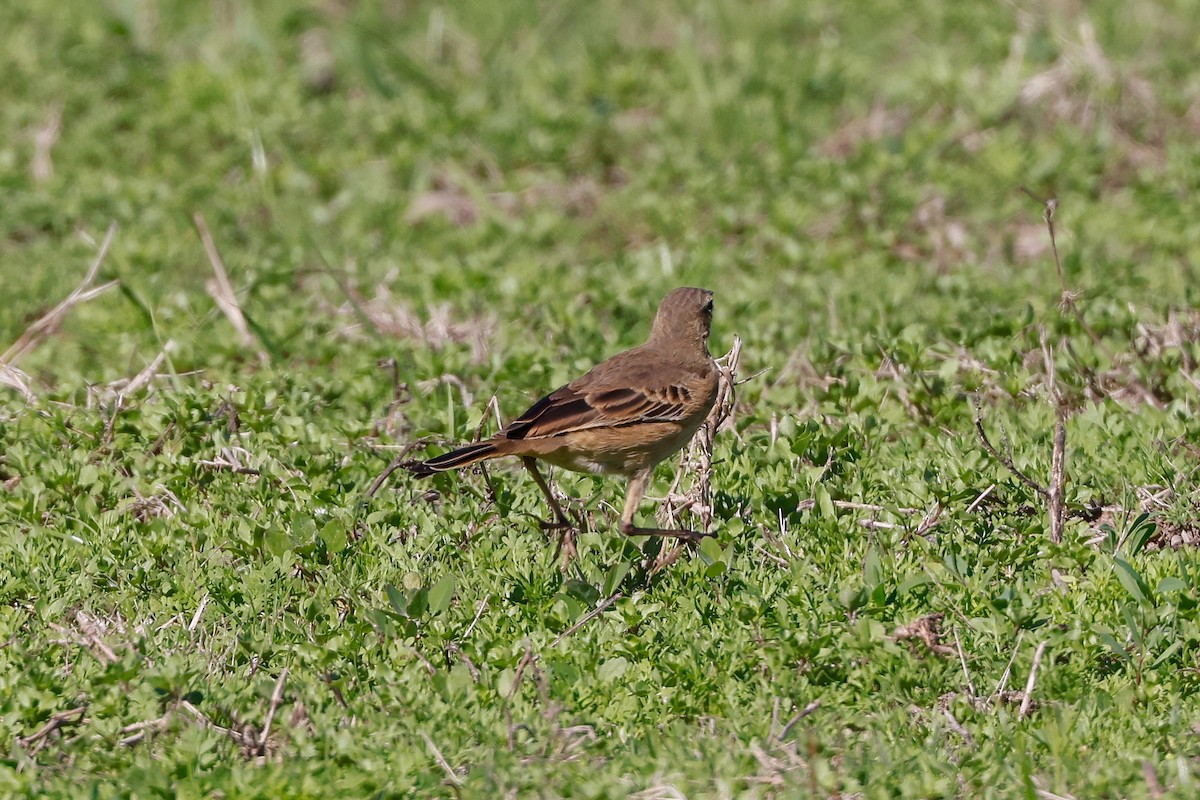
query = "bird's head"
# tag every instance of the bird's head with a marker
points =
(684, 318)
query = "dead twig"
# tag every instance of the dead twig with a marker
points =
(1006, 461)
(58, 719)
(525, 661)
(697, 457)
(237, 736)
(1067, 296)
(1029, 684)
(395, 464)
(139, 730)
(799, 715)
(595, 612)
(276, 699)
(1054, 494)
(451, 775)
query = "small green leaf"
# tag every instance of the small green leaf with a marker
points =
(616, 575)
(912, 583)
(613, 668)
(1134, 584)
(277, 541)
(872, 568)
(418, 603)
(1165, 655)
(824, 501)
(333, 534)
(1171, 584)
(1140, 532)
(441, 594)
(397, 599)
(711, 552)
(582, 590)
(1110, 641)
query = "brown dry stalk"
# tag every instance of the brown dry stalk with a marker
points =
(1006, 461)
(451, 775)
(1027, 700)
(698, 455)
(799, 715)
(45, 136)
(1056, 505)
(276, 699)
(595, 612)
(57, 720)
(1054, 495)
(49, 322)
(221, 290)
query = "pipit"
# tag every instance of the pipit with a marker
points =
(622, 417)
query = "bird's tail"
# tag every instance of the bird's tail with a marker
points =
(455, 459)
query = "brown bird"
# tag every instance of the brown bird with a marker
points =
(622, 417)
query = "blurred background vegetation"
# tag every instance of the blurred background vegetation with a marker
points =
(501, 193)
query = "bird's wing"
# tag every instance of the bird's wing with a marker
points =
(601, 404)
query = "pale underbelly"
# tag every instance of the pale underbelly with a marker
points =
(622, 451)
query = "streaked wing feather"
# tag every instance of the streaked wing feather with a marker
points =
(568, 409)
(559, 411)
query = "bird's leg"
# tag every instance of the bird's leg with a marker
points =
(566, 536)
(633, 498)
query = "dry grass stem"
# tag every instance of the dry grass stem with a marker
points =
(595, 612)
(221, 291)
(46, 325)
(478, 615)
(982, 496)
(1054, 495)
(37, 740)
(1003, 683)
(962, 659)
(149, 373)
(451, 775)
(799, 715)
(1029, 684)
(45, 136)
(231, 459)
(276, 699)
(199, 612)
(16, 379)
(525, 661)
(697, 458)
(392, 467)
(390, 316)
(1006, 461)
(139, 730)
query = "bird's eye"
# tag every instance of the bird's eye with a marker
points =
(708, 307)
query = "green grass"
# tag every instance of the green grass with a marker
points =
(501, 193)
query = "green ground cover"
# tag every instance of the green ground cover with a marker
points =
(419, 206)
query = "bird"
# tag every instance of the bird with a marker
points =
(623, 417)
